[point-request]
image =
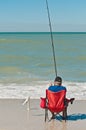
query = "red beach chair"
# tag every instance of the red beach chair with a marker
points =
(55, 102)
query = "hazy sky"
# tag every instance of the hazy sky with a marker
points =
(31, 15)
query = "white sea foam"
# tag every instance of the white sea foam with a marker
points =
(26, 59)
(74, 89)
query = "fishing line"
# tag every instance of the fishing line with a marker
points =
(51, 38)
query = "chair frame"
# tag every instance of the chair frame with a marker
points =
(64, 110)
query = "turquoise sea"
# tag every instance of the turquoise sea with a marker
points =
(27, 66)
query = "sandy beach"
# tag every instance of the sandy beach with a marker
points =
(14, 115)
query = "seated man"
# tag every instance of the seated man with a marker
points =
(58, 87)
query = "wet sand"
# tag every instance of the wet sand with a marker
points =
(14, 115)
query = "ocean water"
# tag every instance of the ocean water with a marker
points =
(27, 66)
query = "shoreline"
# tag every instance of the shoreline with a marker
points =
(15, 115)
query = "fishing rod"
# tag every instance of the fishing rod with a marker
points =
(51, 37)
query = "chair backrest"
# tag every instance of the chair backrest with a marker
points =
(55, 100)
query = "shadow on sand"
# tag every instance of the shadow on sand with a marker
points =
(73, 117)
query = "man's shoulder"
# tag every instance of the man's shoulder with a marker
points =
(63, 87)
(52, 88)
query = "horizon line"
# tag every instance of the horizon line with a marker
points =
(41, 32)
